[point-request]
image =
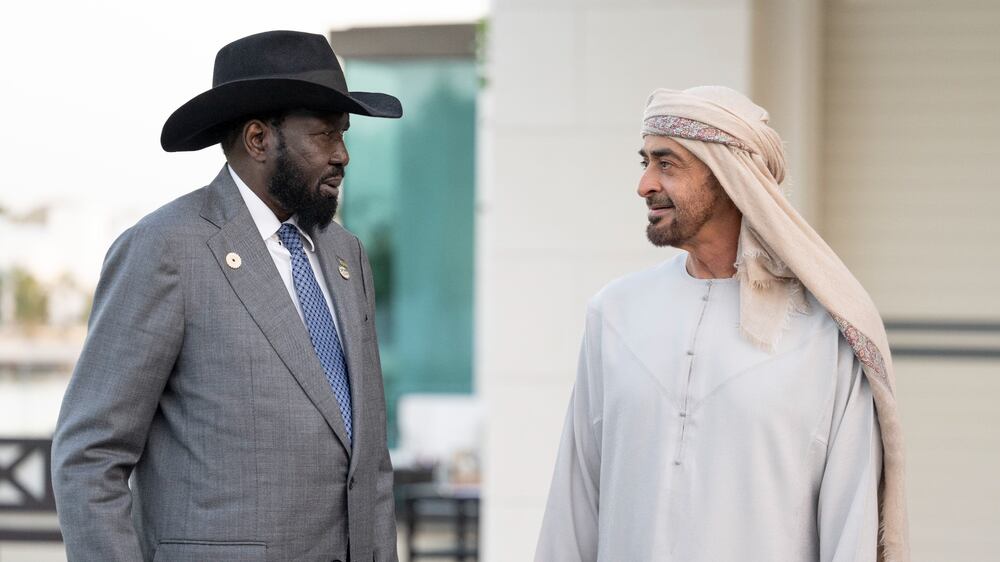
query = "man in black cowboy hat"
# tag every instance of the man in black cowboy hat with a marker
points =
(231, 369)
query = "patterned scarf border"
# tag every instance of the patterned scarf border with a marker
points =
(673, 126)
(864, 349)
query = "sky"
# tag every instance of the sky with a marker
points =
(87, 86)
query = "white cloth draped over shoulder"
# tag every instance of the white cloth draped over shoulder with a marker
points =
(684, 442)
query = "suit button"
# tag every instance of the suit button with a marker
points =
(350, 485)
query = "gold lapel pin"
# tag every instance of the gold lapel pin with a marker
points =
(234, 260)
(343, 269)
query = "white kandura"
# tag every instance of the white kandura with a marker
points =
(684, 442)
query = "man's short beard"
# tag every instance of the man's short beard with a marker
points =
(689, 218)
(290, 189)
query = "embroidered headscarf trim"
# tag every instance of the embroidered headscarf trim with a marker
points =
(673, 126)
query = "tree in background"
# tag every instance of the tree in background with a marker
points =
(30, 301)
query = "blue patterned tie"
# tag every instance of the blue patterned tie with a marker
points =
(319, 322)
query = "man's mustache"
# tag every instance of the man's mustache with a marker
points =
(659, 202)
(339, 171)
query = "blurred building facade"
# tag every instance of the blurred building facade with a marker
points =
(409, 197)
(887, 108)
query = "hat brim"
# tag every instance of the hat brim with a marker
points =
(203, 120)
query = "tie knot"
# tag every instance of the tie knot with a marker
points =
(289, 236)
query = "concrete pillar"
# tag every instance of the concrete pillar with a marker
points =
(787, 79)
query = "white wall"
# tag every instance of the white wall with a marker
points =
(912, 153)
(558, 216)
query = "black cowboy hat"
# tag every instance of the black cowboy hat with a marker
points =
(268, 72)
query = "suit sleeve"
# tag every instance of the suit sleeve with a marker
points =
(848, 497)
(135, 334)
(570, 524)
(385, 506)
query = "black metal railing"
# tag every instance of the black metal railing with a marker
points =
(26, 474)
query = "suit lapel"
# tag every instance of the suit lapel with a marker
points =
(334, 247)
(259, 287)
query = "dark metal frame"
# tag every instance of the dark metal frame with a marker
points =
(46, 504)
(463, 512)
(950, 327)
(30, 535)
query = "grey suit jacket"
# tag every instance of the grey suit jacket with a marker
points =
(198, 380)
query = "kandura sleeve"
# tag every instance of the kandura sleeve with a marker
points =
(570, 525)
(848, 498)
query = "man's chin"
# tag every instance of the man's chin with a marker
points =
(319, 215)
(658, 237)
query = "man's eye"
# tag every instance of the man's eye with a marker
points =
(643, 164)
(664, 165)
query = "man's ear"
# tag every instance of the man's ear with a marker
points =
(256, 139)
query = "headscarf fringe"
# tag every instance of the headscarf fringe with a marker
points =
(797, 304)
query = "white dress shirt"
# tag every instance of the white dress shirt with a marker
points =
(684, 442)
(268, 225)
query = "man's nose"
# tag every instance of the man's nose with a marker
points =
(648, 184)
(339, 156)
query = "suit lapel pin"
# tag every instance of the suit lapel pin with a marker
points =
(234, 260)
(343, 269)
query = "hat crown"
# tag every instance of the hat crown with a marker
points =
(278, 53)
(269, 72)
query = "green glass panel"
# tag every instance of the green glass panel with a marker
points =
(409, 194)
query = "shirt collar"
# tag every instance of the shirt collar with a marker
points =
(263, 218)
